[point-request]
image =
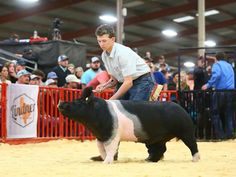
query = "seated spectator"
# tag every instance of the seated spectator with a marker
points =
(100, 78)
(71, 68)
(79, 72)
(39, 73)
(34, 80)
(51, 83)
(72, 81)
(92, 72)
(11, 71)
(20, 65)
(4, 75)
(52, 75)
(62, 70)
(23, 77)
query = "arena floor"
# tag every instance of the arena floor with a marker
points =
(70, 158)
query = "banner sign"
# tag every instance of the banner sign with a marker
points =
(22, 110)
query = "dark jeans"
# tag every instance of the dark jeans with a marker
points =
(222, 114)
(141, 89)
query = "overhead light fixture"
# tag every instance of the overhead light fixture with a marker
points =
(29, 1)
(108, 18)
(169, 33)
(210, 12)
(183, 19)
(189, 64)
(210, 43)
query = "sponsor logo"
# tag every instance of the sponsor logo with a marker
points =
(22, 110)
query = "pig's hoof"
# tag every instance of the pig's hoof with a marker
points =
(108, 161)
(196, 157)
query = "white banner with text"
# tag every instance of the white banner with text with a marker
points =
(22, 110)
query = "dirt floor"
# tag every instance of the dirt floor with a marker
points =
(70, 158)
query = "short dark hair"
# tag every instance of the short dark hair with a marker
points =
(220, 56)
(105, 29)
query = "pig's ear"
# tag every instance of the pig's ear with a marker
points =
(87, 93)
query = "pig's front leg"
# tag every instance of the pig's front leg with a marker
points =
(111, 149)
(101, 149)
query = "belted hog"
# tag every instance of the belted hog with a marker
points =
(112, 121)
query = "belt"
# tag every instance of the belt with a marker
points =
(144, 75)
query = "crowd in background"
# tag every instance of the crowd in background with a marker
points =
(209, 73)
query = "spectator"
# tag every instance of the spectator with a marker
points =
(92, 72)
(71, 68)
(72, 81)
(11, 71)
(51, 83)
(100, 78)
(34, 80)
(4, 75)
(20, 65)
(40, 74)
(23, 77)
(199, 74)
(61, 70)
(162, 65)
(222, 78)
(128, 72)
(52, 75)
(79, 72)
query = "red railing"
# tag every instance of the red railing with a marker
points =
(51, 124)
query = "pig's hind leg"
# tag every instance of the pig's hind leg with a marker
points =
(189, 140)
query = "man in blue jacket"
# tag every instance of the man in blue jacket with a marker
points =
(222, 79)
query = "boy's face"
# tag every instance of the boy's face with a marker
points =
(105, 42)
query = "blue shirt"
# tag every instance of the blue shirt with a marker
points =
(222, 76)
(159, 78)
(89, 75)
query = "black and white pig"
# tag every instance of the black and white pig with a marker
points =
(112, 121)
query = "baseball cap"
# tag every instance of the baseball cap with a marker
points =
(20, 62)
(94, 59)
(52, 75)
(72, 78)
(50, 81)
(33, 76)
(62, 57)
(22, 73)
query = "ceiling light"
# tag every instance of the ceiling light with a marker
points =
(183, 19)
(108, 18)
(29, 1)
(210, 12)
(210, 43)
(169, 33)
(189, 64)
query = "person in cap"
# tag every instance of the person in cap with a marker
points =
(52, 75)
(62, 70)
(23, 77)
(34, 80)
(20, 65)
(51, 83)
(95, 68)
(72, 81)
(40, 74)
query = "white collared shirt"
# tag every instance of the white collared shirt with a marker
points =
(123, 61)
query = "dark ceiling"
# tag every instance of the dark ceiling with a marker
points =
(142, 26)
